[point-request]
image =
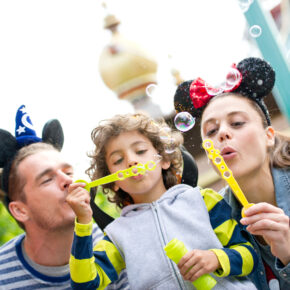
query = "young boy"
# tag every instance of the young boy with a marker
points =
(154, 211)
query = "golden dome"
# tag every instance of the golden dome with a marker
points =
(124, 66)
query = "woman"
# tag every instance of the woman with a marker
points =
(238, 123)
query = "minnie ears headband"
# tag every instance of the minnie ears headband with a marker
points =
(254, 79)
(52, 133)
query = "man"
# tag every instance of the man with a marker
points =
(35, 181)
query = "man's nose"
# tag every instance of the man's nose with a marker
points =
(65, 180)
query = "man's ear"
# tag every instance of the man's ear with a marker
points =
(19, 211)
(270, 134)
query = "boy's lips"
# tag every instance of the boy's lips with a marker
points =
(137, 177)
(228, 153)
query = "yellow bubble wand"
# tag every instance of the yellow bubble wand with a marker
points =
(120, 175)
(226, 173)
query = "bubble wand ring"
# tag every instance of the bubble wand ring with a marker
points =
(226, 173)
(120, 175)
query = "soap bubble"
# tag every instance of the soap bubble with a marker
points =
(170, 148)
(255, 31)
(245, 5)
(214, 90)
(157, 158)
(150, 90)
(184, 121)
(170, 145)
(232, 79)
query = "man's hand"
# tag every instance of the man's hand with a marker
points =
(195, 263)
(79, 200)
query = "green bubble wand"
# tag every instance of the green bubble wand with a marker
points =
(120, 175)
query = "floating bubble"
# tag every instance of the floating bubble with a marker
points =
(255, 31)
(232, 79)
(157, 158)
(170, 149)
(165, 138)
(260, 82)
(184, 121)
(215, 90)
(170, 146)
(150, 90)
(245, 5)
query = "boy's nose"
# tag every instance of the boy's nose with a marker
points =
(132, 163)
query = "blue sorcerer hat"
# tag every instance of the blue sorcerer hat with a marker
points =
(24, 131)
(52, 133)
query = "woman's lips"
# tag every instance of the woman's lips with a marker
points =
(229, 156)
(228, 153)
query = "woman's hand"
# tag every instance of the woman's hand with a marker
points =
(195, 263)
(273, 224)
(79, 200)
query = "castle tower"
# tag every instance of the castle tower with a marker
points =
(128, 70)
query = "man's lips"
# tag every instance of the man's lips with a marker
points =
(228, 153)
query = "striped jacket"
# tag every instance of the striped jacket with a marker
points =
(16, 272)
(135, 241)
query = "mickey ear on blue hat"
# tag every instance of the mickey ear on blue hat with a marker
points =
(24, 131)
(52, 133)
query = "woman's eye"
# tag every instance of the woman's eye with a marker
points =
(140, 152)
(238, 124)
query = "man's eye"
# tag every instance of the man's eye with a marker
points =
(46, 181)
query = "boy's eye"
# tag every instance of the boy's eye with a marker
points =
(211, 132)
(69, 173)
(118, 161)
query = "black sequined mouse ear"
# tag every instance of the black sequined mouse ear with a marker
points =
(52, 133)
(8, 147)
(182, 101)
(258, 78)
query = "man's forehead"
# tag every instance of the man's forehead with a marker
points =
(44, 160)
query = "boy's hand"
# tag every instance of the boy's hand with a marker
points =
(195, 263)
(79, 200)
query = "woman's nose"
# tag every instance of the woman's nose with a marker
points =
(224, 134)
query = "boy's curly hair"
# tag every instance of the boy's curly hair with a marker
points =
(163, 138)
